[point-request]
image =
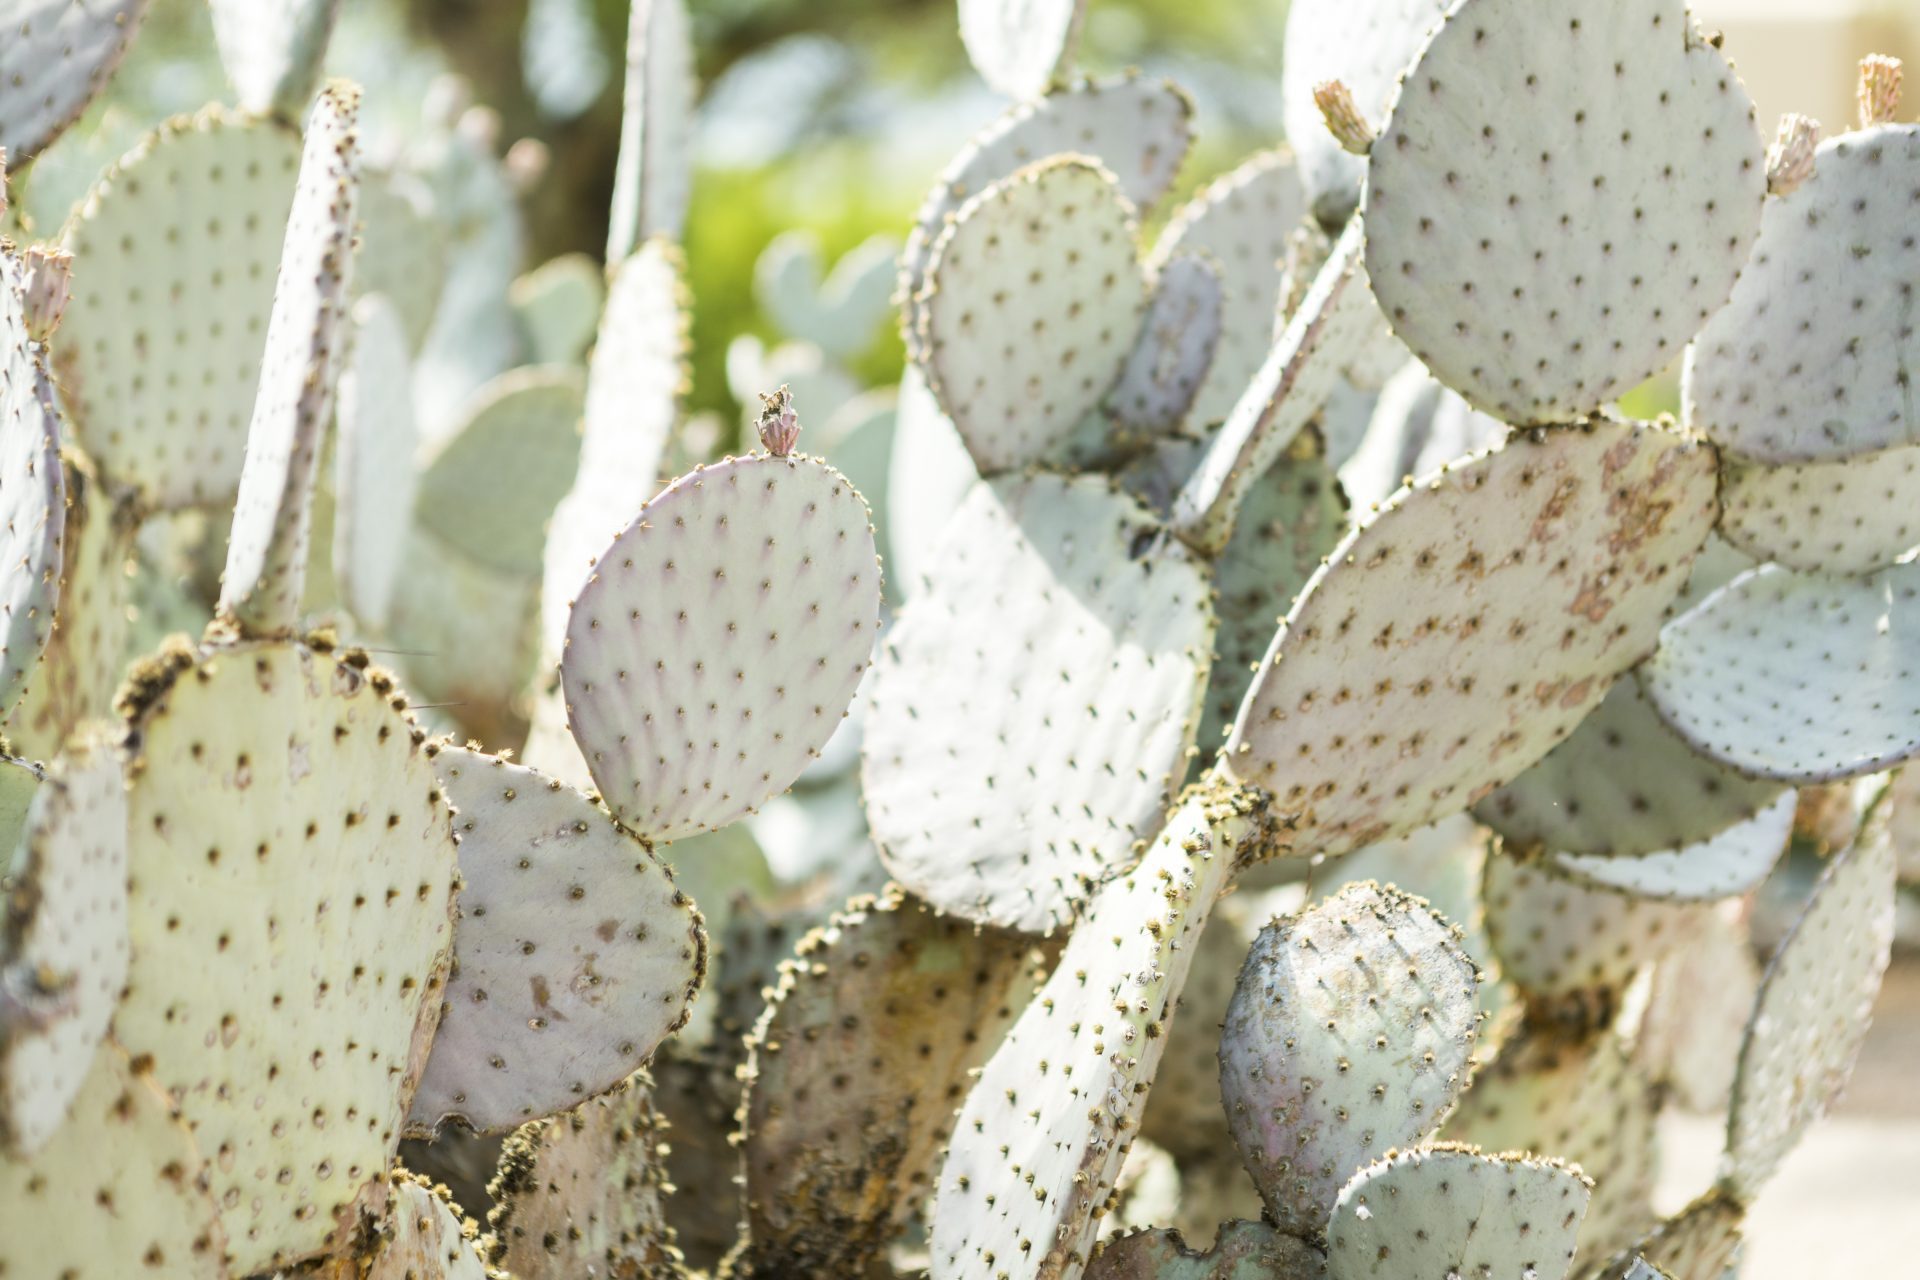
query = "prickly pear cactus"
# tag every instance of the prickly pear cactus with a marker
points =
(273, 51)
(32, 492)
(425, 1236)
(1021, 46)
(1243, 1251)
(55, 56)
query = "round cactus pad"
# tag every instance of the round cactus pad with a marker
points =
(1350, 1034)
(1812, 358)
(1557, 936)
(1563, 194)
(55, 56)
(1020, 47)
(426, 1236)
(160, 378)
(1853, 515)
(1420, 1215)
(1241, 1251)
(717, 644)
(574, 957)
(1032, 302)
(1799, 677)
(1062, 640)
(292, 870)
(1504, 595)
(1724, 865)
(33, 506)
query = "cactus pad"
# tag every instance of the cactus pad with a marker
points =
(1461, 584)
(1555, 936)
(426, 1236)
(1732, 676)
(1814, 1007)
(1560, 198)
(160, 381)
(55, 56)
(272, 52)
(716, 646)
(1173, 349)
(574, 956)
(1725, 865)
(1811, 358)
(1697, 1012)
(1184, 1117)
(1853, 515)
(444, 602)
(869, 1044)
(1417, 1215)
(653, 173)
(1032, 301)
(1242, 1251)
(292, 871)
(121, 1147)
(265, 577)
(1351, 1033)
(1020, 47)
(400, 251)
(1043, 1132)
(1415, 427)
(841, 314)
(374, 480)
(1036, 593)
(1698, 1243)
(66, 929)
(33, 506)
(1623, 785)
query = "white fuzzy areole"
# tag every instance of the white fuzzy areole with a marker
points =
(1853, 515)
(1020, 47)
(55, 56)
(33, 506)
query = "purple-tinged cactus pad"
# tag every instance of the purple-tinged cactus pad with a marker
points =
(272, 51)
(1503, 597)
(292, 867)
(66, 926)
(425, 1236)
(160, 381)
(121, 1147)
(55, 56)
(1797, 677)
(1853, 515)
(1032, 300)
(1020, 47)
(1815, 1004)
(1698, 1243)
(1555, 936)
(717, 644)
(1561, 197)
(33, 499)
(1725, 865)
(1241, 1251)
(1812, 358)
(1174, 348)
(1061, 641)
(1419, 1215)
(574, 955)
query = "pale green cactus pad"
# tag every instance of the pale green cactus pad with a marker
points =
(1560, 198)
(55, 56)
(1733, 678)
(717, 644)
(1035, 621)
(1623, 785)
(870, 1043)
(443, 601)
(1242, 221)
(928, 476)
(292, 870)
(1725, 865)
(33, 500)
(272, 51)
(1351, 1033)
(574, 957)
(1698, 1243)
(1697, 1012)
(1815, 1004)
(490, 488)
(1021, 47)
(1174, 348)
(1593, 524)
(1365, 45)
(1241, 1251)
(1184, 1115)
(65, 940)
(1811, 358)
(558, 305)
(841, 314)
(401, 252)
(1043, 1132)
(1853, 515)
(374, 479)
(1292, 518)
(265, 577)
(583, 1193)
(425, 1236)
(1415, 427)
(160, 382)
(1555, 936)
(1580, 1099)
(653, 174)
(121, 1147)
(1418, 1215)
(1032, 301)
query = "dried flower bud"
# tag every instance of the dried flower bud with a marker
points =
(1342, 114)
(1879, 89)
(779, 424)
(47, 281)
(1790, 159)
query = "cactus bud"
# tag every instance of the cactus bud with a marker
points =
(1342, 114)
(48, 276)
(1879, 89)
(779, 424)
(1790, 159)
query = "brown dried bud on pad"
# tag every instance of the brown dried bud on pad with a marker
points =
(779, 423)
(1880, 78)
(1790, 158)
(1342, 114)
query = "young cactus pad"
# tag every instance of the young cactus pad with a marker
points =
(1418, 1215)
(55, 55)
(1562, 194)
(574, 957)
(1351, 1033)
(1574, 541)
(719, 640)
(291, 853)
(33, 506)
(1021, 47)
